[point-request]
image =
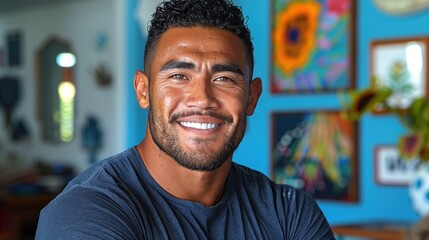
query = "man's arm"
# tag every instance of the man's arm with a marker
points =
(305, 220)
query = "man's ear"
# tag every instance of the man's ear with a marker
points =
(141, 86)
(255, 91)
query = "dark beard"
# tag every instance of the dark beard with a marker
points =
(168, 142)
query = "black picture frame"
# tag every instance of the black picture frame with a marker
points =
(14, 48)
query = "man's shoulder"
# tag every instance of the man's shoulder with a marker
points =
(251, 175)
(117, 164)
(253, 178)
(96, 193)
(101, 179)
(247, 172)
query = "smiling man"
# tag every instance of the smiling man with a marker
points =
(180, 182)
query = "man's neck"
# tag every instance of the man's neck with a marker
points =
(205, 187)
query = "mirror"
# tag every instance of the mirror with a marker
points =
(56, 92)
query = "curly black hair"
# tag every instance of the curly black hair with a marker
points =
(222, 14)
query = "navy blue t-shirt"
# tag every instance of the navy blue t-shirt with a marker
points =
(118, 199)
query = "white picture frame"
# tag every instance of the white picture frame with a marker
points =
(412, 54)
(391, 169)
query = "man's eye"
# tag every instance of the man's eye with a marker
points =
(179, 77)
(223, 79)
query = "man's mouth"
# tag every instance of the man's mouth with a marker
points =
(199, 126)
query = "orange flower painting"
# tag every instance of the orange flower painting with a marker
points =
(312, 45)
(294, 38)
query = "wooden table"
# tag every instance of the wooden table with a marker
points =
(377, 230)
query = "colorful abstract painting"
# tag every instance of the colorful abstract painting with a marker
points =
(312, 45)
(315, 152)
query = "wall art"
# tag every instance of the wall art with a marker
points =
(391, 168)
(313, 46)
(14, 48)
(400, 65)
(316, 151)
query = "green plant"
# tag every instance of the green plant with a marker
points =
(414, 116)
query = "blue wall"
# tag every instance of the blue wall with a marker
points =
(136, 117)
(376, 202)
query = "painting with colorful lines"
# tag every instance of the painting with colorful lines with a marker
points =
(315, 152)
(312, 46)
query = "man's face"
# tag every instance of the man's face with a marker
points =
(199, 95)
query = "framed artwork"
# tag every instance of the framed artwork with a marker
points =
(401, 65)
(14, 51)
(1, 57)
(316, 151)
(313, 46)
(401, 6)
(391, 169)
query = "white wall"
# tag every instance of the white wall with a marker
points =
(78, 22)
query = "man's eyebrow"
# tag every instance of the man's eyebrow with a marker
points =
(187, 65)
(227, 68)
(177, 64)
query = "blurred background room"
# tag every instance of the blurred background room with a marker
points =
(343, 114)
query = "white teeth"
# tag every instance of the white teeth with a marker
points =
(202, 126)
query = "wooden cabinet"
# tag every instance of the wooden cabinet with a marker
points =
(21, 212)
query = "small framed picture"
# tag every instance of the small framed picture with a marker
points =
(391, 169)
(400, 64)
(14, 48)
(1, 57)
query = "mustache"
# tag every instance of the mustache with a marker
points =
(220, 116)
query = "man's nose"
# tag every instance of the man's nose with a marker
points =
(202, 95)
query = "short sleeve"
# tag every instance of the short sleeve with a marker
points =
(305, 220)
(83, 213)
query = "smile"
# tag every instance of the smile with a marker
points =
(201, 126)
